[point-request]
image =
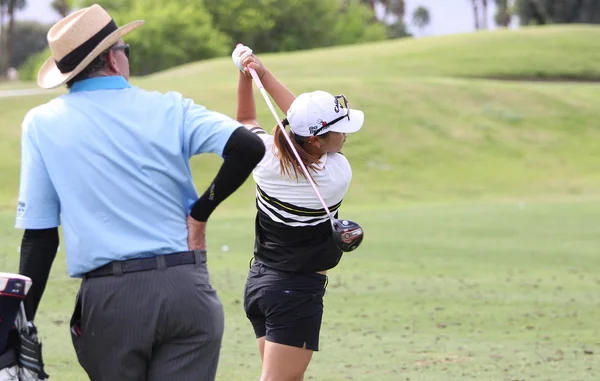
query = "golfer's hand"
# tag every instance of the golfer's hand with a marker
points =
(243, 58)
(196, 234)
(253, 62)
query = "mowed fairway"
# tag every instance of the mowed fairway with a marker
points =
(479, 199)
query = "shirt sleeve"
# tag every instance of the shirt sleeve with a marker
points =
(39, 205)
(205, 131)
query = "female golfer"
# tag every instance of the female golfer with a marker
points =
(294, 247)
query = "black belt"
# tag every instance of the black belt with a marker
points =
(146, 264)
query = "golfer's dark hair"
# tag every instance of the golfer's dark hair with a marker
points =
(288, 163)
(98, 64)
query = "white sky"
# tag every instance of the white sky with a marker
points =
(447, 16)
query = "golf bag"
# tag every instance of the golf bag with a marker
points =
(20, 348)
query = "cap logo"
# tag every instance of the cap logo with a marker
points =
(320, 125)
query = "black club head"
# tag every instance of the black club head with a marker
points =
(347, 234)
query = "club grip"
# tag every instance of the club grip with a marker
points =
(256, 78)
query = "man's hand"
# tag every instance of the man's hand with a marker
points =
(196, 234)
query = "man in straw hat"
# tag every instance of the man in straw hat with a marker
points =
(111, 162)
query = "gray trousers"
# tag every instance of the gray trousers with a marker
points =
(156, 325)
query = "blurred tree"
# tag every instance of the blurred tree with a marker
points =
(284, 25)
(558, 11)
(62, 7)
(3, 5)
(475, 4)
(391, 9)
(504, 13)
(421, 17)
(355, 24)
(31, 36)
(12, 6)
(29, 69)
(175, 33)
(110, 5)
(484, 14)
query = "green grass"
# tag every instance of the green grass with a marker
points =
(474, 291)
(479, 199)
(566, 51)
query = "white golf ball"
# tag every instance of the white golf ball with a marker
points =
(225, 248)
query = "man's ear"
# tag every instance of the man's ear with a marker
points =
(112, 61)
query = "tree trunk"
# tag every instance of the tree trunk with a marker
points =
(401, 9)
(505, 13)
(10, 31)
(476, 13)
(484, 16)
(1, 29)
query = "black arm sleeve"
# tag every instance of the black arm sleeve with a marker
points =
(243, 151)
(38, 250)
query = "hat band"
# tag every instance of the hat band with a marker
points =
(69, 62)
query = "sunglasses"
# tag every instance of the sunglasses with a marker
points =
(124, 48)
(338, 104)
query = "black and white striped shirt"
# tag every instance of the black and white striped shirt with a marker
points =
(293, 232)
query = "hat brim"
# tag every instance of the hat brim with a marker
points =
(345, 126)
(49, 77)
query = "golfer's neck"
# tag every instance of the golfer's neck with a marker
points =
(313, 151)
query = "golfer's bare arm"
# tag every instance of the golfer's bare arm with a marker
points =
(280, 94)
(246, 105)
(245, 112)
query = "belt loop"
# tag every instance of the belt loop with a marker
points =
(160, 259)
(198, 256)
(117, 268)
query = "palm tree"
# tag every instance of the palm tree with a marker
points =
(484, 10)
(397, 8)
(503, 13)
(63, 7)
(392, 7)
(3, 4)
(421, 17)
(13, 6)
(476, 13)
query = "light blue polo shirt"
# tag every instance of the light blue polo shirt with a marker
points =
(112, 162)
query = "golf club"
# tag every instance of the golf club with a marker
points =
(347, 234)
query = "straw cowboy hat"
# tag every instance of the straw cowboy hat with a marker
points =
(76, 40)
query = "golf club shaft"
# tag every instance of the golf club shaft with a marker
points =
(306, 174)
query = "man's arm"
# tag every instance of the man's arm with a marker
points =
(38, 250)
(39, 214)
(241, 154)
(208, 131)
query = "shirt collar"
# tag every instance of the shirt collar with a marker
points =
(100, 83)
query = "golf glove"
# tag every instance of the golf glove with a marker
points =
(240, 53)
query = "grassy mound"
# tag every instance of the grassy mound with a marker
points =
(426, 137)
(545, 52)
(483, 289)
